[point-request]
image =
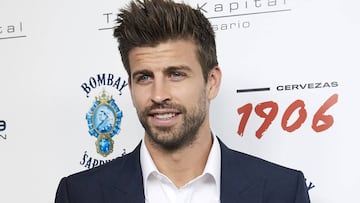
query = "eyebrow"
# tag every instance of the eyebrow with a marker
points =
(167, 70)
(177, 68)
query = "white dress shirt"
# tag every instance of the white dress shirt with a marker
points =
(160, 189)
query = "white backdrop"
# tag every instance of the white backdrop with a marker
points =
(56, 57)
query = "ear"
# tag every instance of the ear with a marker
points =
(214, 81)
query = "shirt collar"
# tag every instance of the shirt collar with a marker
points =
(147, 165)
(213, 164)
(212, 167)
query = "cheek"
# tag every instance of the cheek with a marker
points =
(140, 98)
(191, 94)
(135, 97)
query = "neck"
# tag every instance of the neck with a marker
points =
(185, 164)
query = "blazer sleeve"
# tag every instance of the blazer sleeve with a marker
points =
(302, 195)
(62, 192)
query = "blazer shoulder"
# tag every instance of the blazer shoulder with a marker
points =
(117, 179)
(116, 167)
(256, 178)
(254, 165)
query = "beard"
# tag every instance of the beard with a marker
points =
(175, 137)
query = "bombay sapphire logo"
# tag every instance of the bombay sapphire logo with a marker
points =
(104, 119)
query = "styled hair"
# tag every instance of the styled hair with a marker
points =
(148, 23)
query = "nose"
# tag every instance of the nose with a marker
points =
(160, 92)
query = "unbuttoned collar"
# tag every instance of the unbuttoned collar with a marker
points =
(212, 167)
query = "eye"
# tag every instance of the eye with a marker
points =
(177, 75)
(142, 78)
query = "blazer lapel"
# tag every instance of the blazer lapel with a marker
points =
(237, 183)
(126, 182)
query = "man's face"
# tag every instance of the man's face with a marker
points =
(169, 92)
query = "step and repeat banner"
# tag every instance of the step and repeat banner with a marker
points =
(289, 91)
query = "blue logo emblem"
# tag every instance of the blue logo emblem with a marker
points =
(104, 119)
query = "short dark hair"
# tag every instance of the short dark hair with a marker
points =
(150, 22)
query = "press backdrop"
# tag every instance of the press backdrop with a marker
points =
(289, 91)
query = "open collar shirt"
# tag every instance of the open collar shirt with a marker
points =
(160, 189)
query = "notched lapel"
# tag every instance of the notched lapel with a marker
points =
(114, 195)
(126, 184)
(253, 193)
(243, 191)
(237, 183)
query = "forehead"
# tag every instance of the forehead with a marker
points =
(170, 53)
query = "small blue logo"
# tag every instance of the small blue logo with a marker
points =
(104, 119)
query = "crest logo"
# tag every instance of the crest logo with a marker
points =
(104, 119)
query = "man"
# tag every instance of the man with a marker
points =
(169, 53)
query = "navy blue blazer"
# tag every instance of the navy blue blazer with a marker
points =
(244, 179)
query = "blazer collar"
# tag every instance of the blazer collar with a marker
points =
(126, 183)
(243, 188)
(237, 183)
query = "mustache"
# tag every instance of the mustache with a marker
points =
(165, 105)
